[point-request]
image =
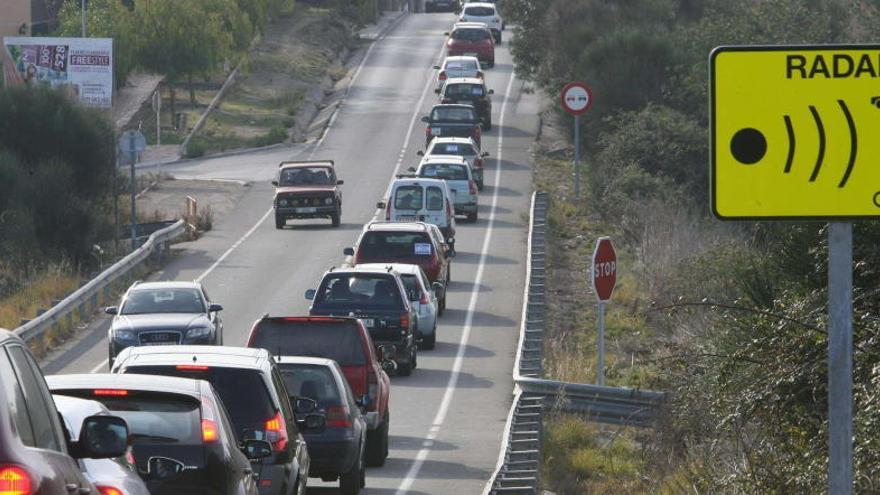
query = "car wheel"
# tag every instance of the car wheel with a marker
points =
(279, 222)
(377, 444)
(472, 217)
(430, 341)
(491, 63)
(405, 368)
(489, 123)
(350, 481)
(414, 357)
(480, 185)
(499, 38)
(335, 218)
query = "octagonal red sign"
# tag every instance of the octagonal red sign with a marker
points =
(604, 269)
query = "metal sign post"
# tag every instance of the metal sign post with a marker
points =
(840, 358)
(576, 99)
(604, 276)
(157, 106)
(130, 144)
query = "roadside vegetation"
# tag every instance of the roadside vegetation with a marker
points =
(729, 318)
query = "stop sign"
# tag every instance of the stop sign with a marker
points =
(604, 269)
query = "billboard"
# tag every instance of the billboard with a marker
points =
(84, 66)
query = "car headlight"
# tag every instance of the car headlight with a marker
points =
(198, 332)
(125, 334)
(328, 201)
(282, 202)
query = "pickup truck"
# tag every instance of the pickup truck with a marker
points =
(448, 120)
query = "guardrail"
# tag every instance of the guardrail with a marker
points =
(85, 299)
(519, 463)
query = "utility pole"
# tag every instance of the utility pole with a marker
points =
(83, 12)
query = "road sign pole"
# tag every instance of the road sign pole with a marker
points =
(577, 157)
(600, 343)
(132, 158)
(840, 359)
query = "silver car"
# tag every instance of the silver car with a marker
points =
(423, 296)
(110, 476)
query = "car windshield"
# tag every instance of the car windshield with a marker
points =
(453, 114)
(446, 171)
(156, 418)
(408, 198)
(464, 91)
(312, 381)
(462, 65)
(359, 291)
(147, 301)
(306, 176)
(242, 391)
(391, 245)
(453, 149)
(470, 34)
(336, 340)
(479, 11)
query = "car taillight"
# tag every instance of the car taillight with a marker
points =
(276, 432)
(428, 132)
(209, 421)
(449, 209)
(424, 298)
(442, 76)
(192, 367)
(477, 131)
(478, 163)
(108, 392)
(15, 481)
(107, 490)
(338, 417)
(404, 320)
(387, 217)
(473, 187)
(372, 388)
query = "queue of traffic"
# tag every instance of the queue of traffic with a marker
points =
(309, 395)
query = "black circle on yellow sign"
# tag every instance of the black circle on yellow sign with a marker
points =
(748, 146)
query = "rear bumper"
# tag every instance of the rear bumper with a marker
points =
(331, 457)
(320, 212)
(464, 208)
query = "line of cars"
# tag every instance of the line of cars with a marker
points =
(309, 395)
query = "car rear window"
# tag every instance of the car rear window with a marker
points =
(394, 244)
(470, 34)
(306, 176)
(408, 198)
(359, 291)
(242, 391)
(453, 114)
(312, 381)
(462, 65)
(446, 171)
(458, 149)
(479, 11)
(435, 198)
(336, 340)
(154, 418)
(464, 91)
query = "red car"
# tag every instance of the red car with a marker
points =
(472, 39)
(346, 341)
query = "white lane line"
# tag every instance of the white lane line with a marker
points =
(440, 417)
(102, 364)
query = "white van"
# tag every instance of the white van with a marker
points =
(413, 199)
(456, 172)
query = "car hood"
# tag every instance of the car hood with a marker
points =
(304, 189)
(177, 321)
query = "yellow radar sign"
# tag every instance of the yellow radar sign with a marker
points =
(795, 132)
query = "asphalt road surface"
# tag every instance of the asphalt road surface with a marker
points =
(447, 418)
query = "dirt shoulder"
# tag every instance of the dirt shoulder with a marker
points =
(214, 198)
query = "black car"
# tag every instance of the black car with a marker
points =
(339, 450)
(164, 313)
(442, 5)
(469, 91)
(36, 454)
(182, 439)
(250, 385)
(452, 120)
(380, 300)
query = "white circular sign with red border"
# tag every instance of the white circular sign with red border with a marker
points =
(576, 98)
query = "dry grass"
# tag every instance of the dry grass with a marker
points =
(37, 294)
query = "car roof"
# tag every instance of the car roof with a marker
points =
(220, 356)
(457, 140)
(464, 80)
(360, 269)
(417, 181)
(470, 25)
(317, 361)
(451, 105)
(314, 163)
(462, 58)
(141, 383)
(169, 284)
(397, 226)
(457, 159)
(402, 268)
(479, 4)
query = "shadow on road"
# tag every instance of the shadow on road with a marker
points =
(491, 259)
(456, 316)
(450, 349)
(412, 443)
(423, 378)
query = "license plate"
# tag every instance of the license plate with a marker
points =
(369, 322)
(310, 209)
(407, 218)
(436, 131)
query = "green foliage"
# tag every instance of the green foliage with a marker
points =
(104, 19)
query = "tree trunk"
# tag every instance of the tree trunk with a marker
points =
(173, 104)
(192, 91)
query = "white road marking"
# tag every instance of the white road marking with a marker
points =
(440, 417)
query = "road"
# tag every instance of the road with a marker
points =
(448, 417)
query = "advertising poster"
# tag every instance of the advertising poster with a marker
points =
(83, 66)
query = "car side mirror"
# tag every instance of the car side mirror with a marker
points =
(436, 67)
(425, 119)
(438, 287)
(256, 449)
(310, 294)
(380, 205)
(111, 310)
(437, 91)
(275, 183)
(340, 182)
(348, 251)
(491, 92)
(213, 308)
(411, 169)
(446, 33)
(420, 153)
(165, 468)
(101, 437)
(304, 405)
(484, 154)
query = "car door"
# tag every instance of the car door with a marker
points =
(407, 203)
(241, 474)
(47, 435)
(435, 206)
